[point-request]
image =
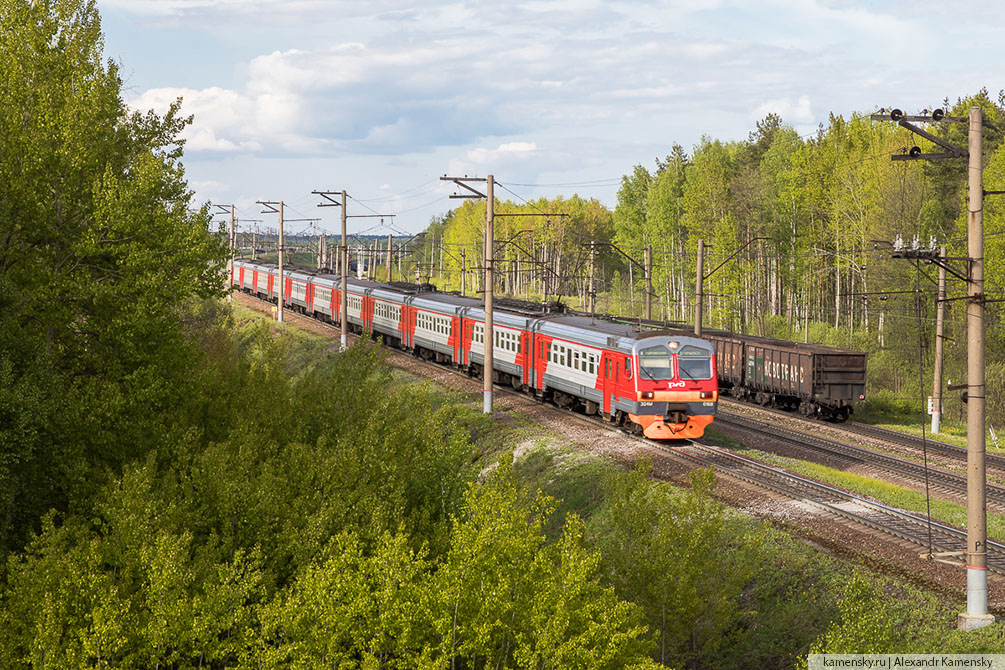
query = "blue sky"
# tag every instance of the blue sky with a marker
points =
(382, 97)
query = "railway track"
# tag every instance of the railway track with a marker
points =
(935, 537)
(939, 480)
(916, 442)
(885, 434)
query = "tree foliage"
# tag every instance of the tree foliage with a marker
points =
(98, 252)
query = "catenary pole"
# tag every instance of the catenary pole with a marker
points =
(976, 615)
(940, 312)
(390, 241)
(593, 261)
(649, 282)
(282, 279)
(698, 288)
(489, 279)
(344, 280)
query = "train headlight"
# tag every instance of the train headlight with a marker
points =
(707, 395)
(647, 395)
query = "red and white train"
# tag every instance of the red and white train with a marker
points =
(660, 384)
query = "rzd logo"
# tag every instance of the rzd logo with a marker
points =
(676, 385)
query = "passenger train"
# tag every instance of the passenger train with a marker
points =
(659, 384)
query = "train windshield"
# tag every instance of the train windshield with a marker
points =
(656, 363)
(694, 363)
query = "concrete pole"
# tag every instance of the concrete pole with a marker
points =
(649, 282)
(940, 311)
(976, 615)
(698, 288)
(282, 280)
(344, 261)
(593, 256)
(321, 249)
(489, 341)
(390, 244)
(464, 270)
(230, 261)
(806, 317)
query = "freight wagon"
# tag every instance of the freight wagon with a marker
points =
(817, 380)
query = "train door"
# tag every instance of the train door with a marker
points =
(525, 356)
(611, 380)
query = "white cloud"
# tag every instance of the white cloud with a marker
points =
(548, 87)
(798, 112)
(508, 150)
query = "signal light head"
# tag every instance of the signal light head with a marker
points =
(938, 114)
(914, 152)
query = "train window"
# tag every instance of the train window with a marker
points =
(694, 362)
(656, 363)
(628, 367)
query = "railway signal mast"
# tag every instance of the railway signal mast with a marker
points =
(977, 615)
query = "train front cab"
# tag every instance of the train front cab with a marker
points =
(676, 390)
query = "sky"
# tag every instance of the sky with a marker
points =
(552, 97)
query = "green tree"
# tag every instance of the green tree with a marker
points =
(665, 551)
(503, 598)
(864, 626)
(98, 252)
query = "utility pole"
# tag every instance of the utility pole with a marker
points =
(489, 288)
(593, 256)
(464, 269)
(390, 241)
(940, 311)
(282, 277)
(232, 238)
(271, 205)
(489, 342)
(698, 281)
(329, 201)
(701, 277)
(321, 249)
(975, 557)
(343, 262)
(976, 615)
(649, 282)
